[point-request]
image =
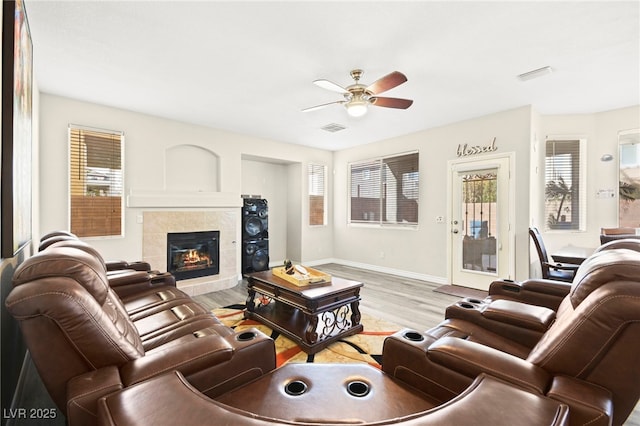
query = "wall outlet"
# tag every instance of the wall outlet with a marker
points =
(605, 193)
(439, 219)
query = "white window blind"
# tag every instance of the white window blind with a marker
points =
(385, 190)
(317, 196)
(95, 182)
(562, 185)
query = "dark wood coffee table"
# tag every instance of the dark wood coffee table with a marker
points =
(313, 316)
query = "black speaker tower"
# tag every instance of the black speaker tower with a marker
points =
(255, 235)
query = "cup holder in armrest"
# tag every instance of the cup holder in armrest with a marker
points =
(466, 305)
(246, 336)
(475, 301)
(358, 388)
(414, 336)
(295, 388)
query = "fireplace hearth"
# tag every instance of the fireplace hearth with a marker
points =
(193, 254)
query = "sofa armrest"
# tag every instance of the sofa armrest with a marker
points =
(472, 359)
(589, 404)
(115, 265)
(192, 356)
(126, 277)
(84, 391)
(520, 314)
(540, 292)
(129, 282)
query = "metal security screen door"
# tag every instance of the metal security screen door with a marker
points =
(479, 223)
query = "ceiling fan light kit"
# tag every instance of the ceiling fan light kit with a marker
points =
(356, 108)
(358, 97)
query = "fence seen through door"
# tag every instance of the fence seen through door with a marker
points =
(479, 195)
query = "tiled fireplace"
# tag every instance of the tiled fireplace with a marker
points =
(223, 223)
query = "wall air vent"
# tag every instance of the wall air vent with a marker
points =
(333, 127)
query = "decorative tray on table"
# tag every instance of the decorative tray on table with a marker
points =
(301, 276)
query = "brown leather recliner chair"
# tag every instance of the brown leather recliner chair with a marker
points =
(542, 292)
(79, 335)
(126, 282)
(159, 310)
(587, 355)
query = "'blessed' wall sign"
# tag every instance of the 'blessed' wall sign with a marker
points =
(466, 149)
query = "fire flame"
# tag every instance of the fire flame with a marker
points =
(195, 258)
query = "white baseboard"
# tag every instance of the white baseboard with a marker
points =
(382, 269)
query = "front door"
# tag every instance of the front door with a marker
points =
(481, 241)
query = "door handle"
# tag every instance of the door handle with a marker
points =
(455, 231)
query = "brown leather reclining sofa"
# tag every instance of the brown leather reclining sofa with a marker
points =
(584, 351)
(87, 341)
(156, 357)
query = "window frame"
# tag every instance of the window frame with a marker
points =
(121, 135)
(628, 188)
(582, 187)
(310, 173)
(380, 223)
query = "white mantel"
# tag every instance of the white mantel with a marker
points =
(182, 199)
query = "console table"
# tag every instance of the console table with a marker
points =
(312, 316)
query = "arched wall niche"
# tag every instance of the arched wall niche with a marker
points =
(191, 168)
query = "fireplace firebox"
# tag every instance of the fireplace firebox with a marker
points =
(193, 254)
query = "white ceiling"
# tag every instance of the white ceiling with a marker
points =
(248, 67)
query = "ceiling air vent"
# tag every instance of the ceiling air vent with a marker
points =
(540, 72)
(333, 127)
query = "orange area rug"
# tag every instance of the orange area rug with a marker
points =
(364, 347)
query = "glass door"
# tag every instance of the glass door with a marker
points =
(480, 224)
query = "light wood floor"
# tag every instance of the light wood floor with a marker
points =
(404, 301)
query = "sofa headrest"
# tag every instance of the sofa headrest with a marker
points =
(603, 267)
(627, 243)
(80, 245)
(69, 262)
(57, 233)
(46, 242)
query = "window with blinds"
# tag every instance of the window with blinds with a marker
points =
(95, 182)
(562, 195)
(317, 195)
(385, 190)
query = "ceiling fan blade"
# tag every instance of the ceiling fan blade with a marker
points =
(313, 108)
(330, 85)
(387, 82)
(391, 102)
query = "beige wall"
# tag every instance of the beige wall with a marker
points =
(147, 140)
(422, 252)
(278, 172)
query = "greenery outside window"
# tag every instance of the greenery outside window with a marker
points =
(95, 182)
(564, 193)
(385, 190)
(317, 196)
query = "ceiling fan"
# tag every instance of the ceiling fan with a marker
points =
(358, 97)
